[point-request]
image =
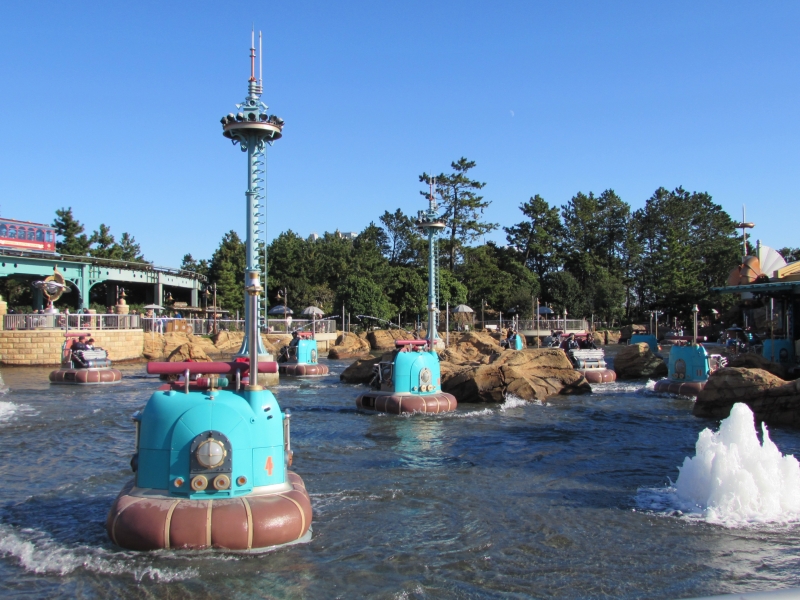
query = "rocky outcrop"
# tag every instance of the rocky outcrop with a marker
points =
(349, 345)
(527, 374)
(188, 352)
(473, 347)
(229, 342)
(361, 370)
(637, 361)
(754, 361)
(628, 331)
(384, 339)
(772, 400)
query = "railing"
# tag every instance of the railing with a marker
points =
(543, 325)
(88, 322)
(206, 326)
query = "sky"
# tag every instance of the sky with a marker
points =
(113, 109)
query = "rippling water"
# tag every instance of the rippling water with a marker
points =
(566, 499)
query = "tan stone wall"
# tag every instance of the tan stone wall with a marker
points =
(41, 347)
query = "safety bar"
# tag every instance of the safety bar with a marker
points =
(207, 368)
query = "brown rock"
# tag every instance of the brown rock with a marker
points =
(527, 374)
(612, 337)
(228, 342)
(472, 347)
(361, 370)
(771, 399)
(754, 361)
(349, 345)
(637, 361)
(599, 338)
(627, 331)
(384, 339)
(190, 352)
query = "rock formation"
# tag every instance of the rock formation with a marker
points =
(349, 345)
(627, 331)
(772, 400)
(527, 374)
(361, 370)
(384, 339)
(637, 361)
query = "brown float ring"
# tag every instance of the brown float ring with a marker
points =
(670, 386)
(407, 403)
(102, 376)
(255, 521)
(302, 369)
(598, 375)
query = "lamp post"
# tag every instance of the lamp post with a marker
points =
(483, 321)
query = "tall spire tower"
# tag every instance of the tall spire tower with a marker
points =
(253, 128)
(431, 223)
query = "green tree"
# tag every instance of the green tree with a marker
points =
(689, 245)
(129, 249)
(539, 239)
(103, 244)
(70, 231)
(360, 295)
(463, 207)
(188, 263)
(566, 293)
(404, 244)
(226, 269)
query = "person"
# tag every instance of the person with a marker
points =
(77, 351)
(570, 343)
(90, 344)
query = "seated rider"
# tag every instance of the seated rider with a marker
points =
(570, 343)
(77, 351)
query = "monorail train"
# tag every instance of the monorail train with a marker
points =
(24, 235)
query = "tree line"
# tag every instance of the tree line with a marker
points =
(593, 255)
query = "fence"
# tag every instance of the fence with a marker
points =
(543, 325)
(206, 326)
(76, 321)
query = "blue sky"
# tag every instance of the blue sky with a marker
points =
(114, 109)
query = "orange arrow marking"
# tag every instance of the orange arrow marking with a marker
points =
(269, 465)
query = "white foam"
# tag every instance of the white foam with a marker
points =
(39, 554)
(513, 401)
(734, 479)
(7, 410)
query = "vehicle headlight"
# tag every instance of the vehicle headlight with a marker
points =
(210, 453)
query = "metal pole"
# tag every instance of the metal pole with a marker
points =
(447, 325)
(695, 310)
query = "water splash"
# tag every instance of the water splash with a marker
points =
(735, 479)
(38, 553)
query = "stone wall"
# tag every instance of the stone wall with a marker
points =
(43, 347)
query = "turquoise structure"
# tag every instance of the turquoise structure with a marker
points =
(245, 429)
(411, 381)
(300, 357)
(649, 339)
(212, 465)
(780, 351)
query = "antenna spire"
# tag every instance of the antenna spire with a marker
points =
(253, 55)
(260, 65)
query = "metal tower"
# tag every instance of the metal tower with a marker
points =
(430, 222)
(252, 128)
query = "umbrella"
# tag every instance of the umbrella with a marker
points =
(153, 307)
(280, 309)
(734, 328)
(545, 310)
(462, 308)
(313, 310)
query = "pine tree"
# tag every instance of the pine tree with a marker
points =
(463, 207)
(73, 241)
(103, 244)
(538, 240)
(227, 270)
(129, 249)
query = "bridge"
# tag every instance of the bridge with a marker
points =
(84, 272)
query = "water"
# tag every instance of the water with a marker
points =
(571, 498)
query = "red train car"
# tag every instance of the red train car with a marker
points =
(24, 235)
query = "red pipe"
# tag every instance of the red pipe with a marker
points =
(207, 368)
